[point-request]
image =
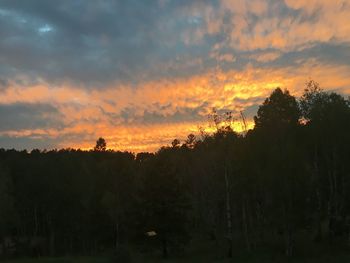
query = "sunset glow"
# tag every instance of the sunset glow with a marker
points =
(142, 74)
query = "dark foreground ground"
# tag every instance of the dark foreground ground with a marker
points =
(250, 259)
(205, 252)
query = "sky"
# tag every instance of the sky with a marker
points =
(142, 73)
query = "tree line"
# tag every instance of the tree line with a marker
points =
(283, 184)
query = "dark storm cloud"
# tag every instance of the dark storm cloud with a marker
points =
(324, 53)
(3, 84)
(21, 116)
(95, 43)
(90, 42)
(26, 143)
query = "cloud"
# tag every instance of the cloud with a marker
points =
(152, 114)
(266, 56)
(96, 43)
(141, 73)
(20, 116)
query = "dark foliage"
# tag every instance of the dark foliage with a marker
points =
(287, 178)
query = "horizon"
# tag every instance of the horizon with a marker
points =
(141, 75)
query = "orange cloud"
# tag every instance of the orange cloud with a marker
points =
(328, 22)
(88, 114)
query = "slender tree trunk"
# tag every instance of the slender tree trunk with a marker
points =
(228, 216)
(165, 248)
(335, 180)
(288, 231)
(332, 203)
(252, 227)
(36, 223)
(85, 249)
(260, 220)
(52, 242)
(245, 224)
(71, 244)
(289, 241)
(51, 235)
(117, 234)
(348, 235)
(318, 195)
(94, 247)
(319, 217)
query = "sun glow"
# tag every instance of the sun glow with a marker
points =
(67, 84)
(145, 117)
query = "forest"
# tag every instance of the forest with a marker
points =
(282, 187)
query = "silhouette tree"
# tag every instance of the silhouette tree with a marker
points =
(164, 201)
(101, 145)
(190, 141)
(175, 143)
(283, 182)
(328, 127)
(7, 206)
(277, 123)
(278, 111)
